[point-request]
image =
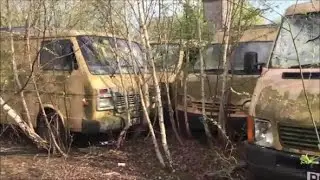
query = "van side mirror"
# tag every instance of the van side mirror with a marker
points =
(261, 66)
(250, 62)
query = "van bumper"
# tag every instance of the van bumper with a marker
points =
(108, 124)
(273, 164)
(236, 124)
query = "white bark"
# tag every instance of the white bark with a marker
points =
(170, 109)
(202, 74)
(23, 125)
(15, 70)
(185, 92)
(153, 136)
(167, 77)
(125, 93)
(36, 87)
(156, 84)
(144, 102)
(222, 118)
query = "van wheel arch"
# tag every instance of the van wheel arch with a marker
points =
(56, 125)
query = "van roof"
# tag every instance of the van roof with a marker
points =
(35, 32)
(255, 33)
(303, 8)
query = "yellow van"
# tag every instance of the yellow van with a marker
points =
(77, 76)
(254, 42)
(284, 115)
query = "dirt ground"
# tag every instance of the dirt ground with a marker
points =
(135, 160)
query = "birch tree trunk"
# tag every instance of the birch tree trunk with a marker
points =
(23, 125)
(167, 76)
(128, 122)
(153, 136)
(143, 104)
(202, 76)
(53, 138)
(222, 118)
(185, 92)
(15, 70)
(170, 109)
(156, 83)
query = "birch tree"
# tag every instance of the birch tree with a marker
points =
(221, 117)
(167, 74)
(139, 79)
(146, 44)
(27, 128)
(202, 77)
(14, 68)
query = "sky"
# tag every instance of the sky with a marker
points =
(277, 6)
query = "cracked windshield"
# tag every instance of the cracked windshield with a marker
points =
(306, 35)
(101, 54)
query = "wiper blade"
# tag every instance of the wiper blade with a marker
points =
(305, 66)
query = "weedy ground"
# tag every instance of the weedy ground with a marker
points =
(19, 159)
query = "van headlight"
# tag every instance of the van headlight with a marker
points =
(104, 100)
(263, 132)
(104, 104)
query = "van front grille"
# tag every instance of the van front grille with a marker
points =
(298, 137)
(214, 108)
(134, 102)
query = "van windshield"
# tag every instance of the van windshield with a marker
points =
(305, 31)
(166, 56)
(213, 55)
(100, 54)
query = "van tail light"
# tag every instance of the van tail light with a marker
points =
(103, 92)
(104, 100)
(250, 129)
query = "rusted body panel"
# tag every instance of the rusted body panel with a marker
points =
(283, 102)
(303, 8)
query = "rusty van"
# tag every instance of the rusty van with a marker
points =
(77, 78)
(251, 49)
(284, 114)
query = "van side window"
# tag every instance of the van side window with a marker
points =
(56, 55)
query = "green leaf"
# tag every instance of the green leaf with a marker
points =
(305, 159)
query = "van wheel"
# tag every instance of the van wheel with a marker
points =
(58, 131)
(251, 176)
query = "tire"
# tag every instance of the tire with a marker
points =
(252, 176)
(58, 131)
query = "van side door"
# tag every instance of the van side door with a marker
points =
(61, 79)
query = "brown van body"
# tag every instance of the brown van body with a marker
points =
(287, 98)
(71, 94)
(238, 103)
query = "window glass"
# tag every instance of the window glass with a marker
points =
(262, 48)
(299, 40)
(56, 55)
(101, 53)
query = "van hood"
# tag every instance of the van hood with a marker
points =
(241, 85)
(115, 83)
(279, 96)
